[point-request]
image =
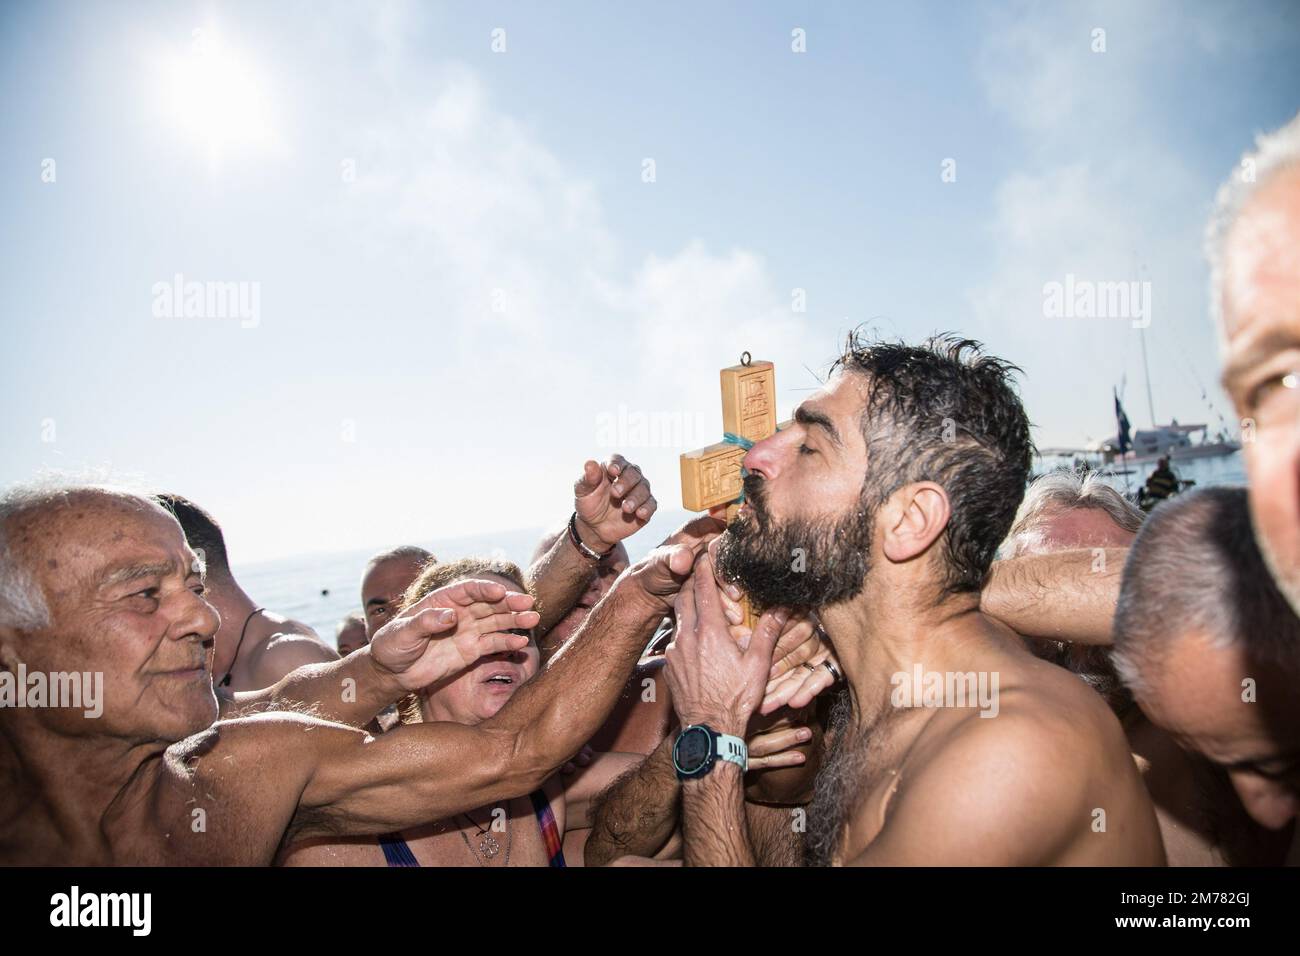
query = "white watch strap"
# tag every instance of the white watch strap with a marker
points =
(733, 749)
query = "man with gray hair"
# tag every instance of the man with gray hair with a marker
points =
(1069, 510)
(1201, 822)
(102, 581)
(1253, 243)
(1211, 650)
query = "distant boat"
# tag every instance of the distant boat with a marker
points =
(1172, 440)
(1148, 445)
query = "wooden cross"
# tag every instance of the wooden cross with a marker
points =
(711, 476)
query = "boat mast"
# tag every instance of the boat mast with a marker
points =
(1151, 405)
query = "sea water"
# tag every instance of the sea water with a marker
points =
(1223, 470)
(296, 586)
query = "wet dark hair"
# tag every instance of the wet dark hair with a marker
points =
(201, 531)
(943, 411)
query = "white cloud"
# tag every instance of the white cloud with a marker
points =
(1101, 194)
(536, 319)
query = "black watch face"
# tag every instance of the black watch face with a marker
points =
(693, 749)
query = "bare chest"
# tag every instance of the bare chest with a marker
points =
(867, 817)
(873, 775)
(189, 821)
(507, 835)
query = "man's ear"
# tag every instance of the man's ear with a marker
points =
(916, 516)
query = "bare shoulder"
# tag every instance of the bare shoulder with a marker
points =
(1029, 735)
(286, 626)
(288, 644)
(1018, 783)
(1038, 689)
(285, 651)
(230, 749)
(1045, 726)
(232, 791)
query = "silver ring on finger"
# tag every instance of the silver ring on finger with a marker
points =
(835, 674)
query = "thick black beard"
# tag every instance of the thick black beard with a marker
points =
(798, 563)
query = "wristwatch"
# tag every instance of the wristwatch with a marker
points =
(698, 747)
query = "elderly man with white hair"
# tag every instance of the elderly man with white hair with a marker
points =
(102, 582)
(1254, 249)
(1071, 511)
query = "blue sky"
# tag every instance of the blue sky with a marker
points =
(466, 287)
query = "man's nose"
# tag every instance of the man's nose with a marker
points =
(765, 456)
(197, 616)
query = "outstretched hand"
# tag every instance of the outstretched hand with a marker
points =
(613, 501)
(664, 570)
(449, 629)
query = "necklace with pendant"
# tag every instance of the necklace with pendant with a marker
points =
(487, 844)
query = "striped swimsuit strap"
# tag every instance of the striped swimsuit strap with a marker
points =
(397, 852)
(550, 830)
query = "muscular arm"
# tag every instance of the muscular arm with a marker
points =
(1066, 596)
(772, 831)
(715, 827)
(427, 771)
(350, 690)
(558, 579)
(640, 812)
(637, 815)
(582, 788)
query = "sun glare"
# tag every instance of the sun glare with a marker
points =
(216, 96)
